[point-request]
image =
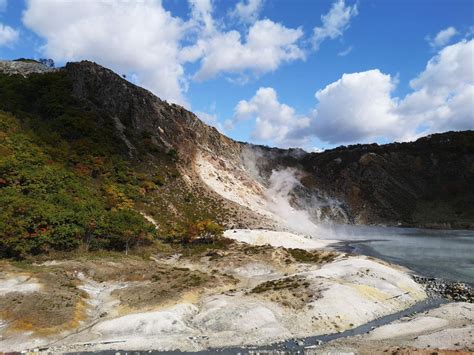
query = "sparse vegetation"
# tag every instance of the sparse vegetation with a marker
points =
(292, 292)
(315, 256)
(291, 282)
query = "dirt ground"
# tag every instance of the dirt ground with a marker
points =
(147, 284)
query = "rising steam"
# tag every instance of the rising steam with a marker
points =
(278, 196)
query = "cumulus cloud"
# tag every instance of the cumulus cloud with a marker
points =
(274, 121)
(360, 107)
(247, 11)
(201, 13)
(8, 35)
(443, 37)
(144, 40)
(356, 107)
(335, 22)
(266, 46)
(138, 36)
(443, 96)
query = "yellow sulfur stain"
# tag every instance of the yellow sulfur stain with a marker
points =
(371, 292)
(416, 294)
(78, 316)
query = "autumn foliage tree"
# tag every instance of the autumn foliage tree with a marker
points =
(205, 231)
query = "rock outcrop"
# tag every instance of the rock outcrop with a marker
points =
(23, 67)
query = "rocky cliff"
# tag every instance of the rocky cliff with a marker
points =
(425, 183)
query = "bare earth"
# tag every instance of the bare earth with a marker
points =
(239, 295)
(447, 329)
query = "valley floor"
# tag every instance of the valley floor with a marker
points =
(264, 287)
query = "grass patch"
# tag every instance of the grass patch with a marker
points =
(288, 283)
(314, 257)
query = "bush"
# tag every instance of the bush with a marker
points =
(47, 205)
(205, 231)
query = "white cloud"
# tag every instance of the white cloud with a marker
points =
(3, 5)
(267, 45)
(201, 13)
(211, 119)
(356, 108)
(345, 52)
(335, 22)
(145, 40)
(247, 11)
(443, 37)
(360, 107)
(8, 35)
(443, 96)
(273, 121)
(127, 36)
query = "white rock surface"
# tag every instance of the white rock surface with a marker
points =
(233, 183)
(349, 292)
(399, 330)
(18, 283)
(276, 239)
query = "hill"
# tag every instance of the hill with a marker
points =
(89, 160)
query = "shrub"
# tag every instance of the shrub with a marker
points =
(205, 231)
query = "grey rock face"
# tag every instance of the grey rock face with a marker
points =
(141, 112)
(24, 68)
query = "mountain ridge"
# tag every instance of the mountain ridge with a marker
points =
(178, 170)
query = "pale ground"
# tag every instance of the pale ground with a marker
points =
(233, 183)
(339, 295)
(335, 296)
(18, 283)
(350, 296)
(450, 326)
(277, 239)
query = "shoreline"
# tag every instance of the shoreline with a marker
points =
(364, 247)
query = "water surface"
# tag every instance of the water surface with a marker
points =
(447, 254)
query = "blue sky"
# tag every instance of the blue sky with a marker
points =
(252, 68)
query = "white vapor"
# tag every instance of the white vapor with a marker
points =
(278, 195)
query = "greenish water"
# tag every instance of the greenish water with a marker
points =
(447, 254)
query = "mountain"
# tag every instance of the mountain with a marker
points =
(88, 158)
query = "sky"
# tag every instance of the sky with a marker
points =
(313, 74)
